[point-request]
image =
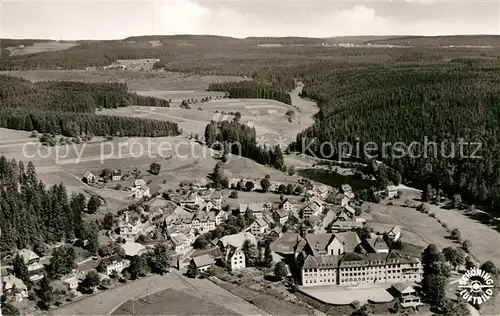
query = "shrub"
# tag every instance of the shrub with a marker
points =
(432, 215)
(233, 195)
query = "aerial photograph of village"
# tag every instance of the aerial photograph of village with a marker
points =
(245, 158)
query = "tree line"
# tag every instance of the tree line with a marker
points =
(442, 103)
(74, 124)
(68, 96)
(32, 214)
(240, 139)
(252, 89)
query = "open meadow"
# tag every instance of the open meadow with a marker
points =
(39, 47)
(135, 80)
(181, 159)
(174, 288)
(269, 117)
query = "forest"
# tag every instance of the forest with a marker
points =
(69, 96)
(254, 90)
(443, 102)
(75, 124)
(68, 108)
(239, 139)
(31, 213)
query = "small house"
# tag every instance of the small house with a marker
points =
(71, 283)
(14, 288)
(89, 177)
(394, 233)
(281, 216)
(391, 191)
(375, 245)
(259, 227)
(203, 262)
(407, 294)
(115, 263)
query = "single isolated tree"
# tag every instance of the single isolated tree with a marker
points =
(466, 244)
(192, 270)
(155, 168)
(455, 234)
(280, 270)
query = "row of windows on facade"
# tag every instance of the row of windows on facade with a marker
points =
(360, 279)
(362, 268)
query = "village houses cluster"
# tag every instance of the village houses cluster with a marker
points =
(319, 254)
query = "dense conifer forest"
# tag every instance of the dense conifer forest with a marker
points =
(240, 139)
(31, 213)
(443, 102)
(252, 89)
(68, 108)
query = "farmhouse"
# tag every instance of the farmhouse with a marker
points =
(347, 190)
(89, 177)
(231, 248)
(391, 191)
(259, 227)
(256, 208)
(203, 262)
(115, 263)
(140, 192)
(394, 233)
(71, 283)
(130, 227)
(313, 208)
(193, 200)
(32, 261)
(340, 225)
(180, 242)
(14, 288)
(286, 205)
(281, 216)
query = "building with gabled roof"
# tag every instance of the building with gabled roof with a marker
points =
(130, 226)
(312, 208)
(14, 288)
(394, 233)
(256, 208)
(259, 226)
(89, 177)
(281, 216)
(376, 244)
(231, 248)
(203, 262)
(407, 294)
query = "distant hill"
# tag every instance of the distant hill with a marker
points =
(357, 39)
(286, 40)
(455, 40)
(181, 37)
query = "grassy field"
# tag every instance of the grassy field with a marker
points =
(136, 81)
(421, 229)
(39, 47)
(267, 116)
(188, 160)
(204, 293)
(172, 302)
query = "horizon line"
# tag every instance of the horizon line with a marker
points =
(243, 38)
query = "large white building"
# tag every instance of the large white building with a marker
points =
(354, 269)
(231, 249)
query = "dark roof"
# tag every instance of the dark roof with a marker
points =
(286, 243)
(349, 239)
(318, 242)
(312, 262)
(203, 260)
